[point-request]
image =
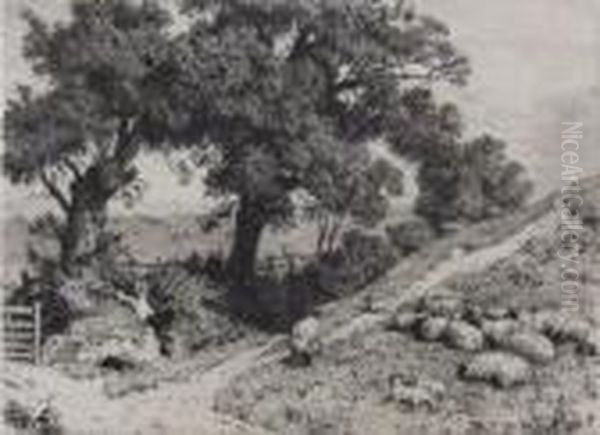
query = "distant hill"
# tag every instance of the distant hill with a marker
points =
(150, 238)
(177, 236)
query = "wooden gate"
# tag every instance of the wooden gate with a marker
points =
(22, 333)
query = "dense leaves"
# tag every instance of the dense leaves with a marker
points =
(104, 74)
(292, 92)
(471, 182)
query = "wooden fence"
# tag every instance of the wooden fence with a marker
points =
(282, 265)
(22, 327)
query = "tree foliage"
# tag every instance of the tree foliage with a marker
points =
(291, 91)
(469, 182)
(104, 72)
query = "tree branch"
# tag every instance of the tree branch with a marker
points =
(55, 192)
(127, 146)
(70, 164)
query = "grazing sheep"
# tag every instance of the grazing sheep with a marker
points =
(531, 346)
(497, 332)
(569, 329)
(405, 321)
(462, 335)
(496, 313)
(443, 305)
(502, 369)
(559, 327)
(433, 328)
(304, 341)
(416, 392)
(473, 314)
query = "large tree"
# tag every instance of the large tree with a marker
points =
(287, 90)
(102, 75)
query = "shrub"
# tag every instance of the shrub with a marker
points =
(359, 260)
(189, 312)
(411, 236)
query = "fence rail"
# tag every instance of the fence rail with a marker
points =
(22, 333)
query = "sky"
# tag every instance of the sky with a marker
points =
(536, 64)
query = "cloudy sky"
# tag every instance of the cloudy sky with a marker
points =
(536, 64)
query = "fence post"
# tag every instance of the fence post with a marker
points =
(37, 321)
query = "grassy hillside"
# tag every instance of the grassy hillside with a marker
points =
(347, 390)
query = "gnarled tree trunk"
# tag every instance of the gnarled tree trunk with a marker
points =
(83, 242)
(82, 239)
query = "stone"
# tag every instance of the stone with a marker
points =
(61, 349)
(464, 336)
(532, 346)
(502, 369)
(433, 328)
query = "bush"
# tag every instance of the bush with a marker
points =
(409, 237)
(360, 259)
(190, 312)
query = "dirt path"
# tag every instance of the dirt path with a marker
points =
(173, 408)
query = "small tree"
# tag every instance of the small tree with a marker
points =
(79, 136)
(358, 192)
(470, 182)
(289, 91)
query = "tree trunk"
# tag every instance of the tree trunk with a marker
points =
(82, 241)
(249, 226)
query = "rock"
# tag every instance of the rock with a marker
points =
(122, 352)
(463, 335)
(405, 321)
(502, 369)
(532, 346)
(433, 328)
(498, 331)
(43, 418)
(61, 349)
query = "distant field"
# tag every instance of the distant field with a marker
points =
(150, 239)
